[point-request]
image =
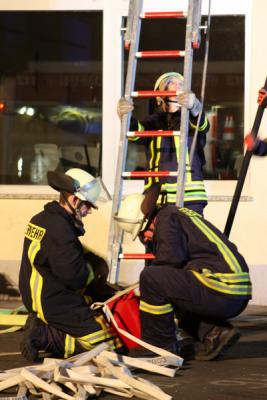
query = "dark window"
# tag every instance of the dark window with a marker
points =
(224, 98)
(51, 94)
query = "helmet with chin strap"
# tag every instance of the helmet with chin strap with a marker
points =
(163, 82)
(136, 210)
(130, 218)
(86, 187)
(78, 182)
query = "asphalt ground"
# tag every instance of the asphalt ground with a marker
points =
(241, 374)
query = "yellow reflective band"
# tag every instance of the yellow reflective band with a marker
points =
(195, 185)
(140, 128)
(201, 127)
(112, 339)
(154, 167)
(222, 287)
(197, 196)
(88, 341)
(102, 335)
(34, 232)
(36, 280)
(149, 181)
(114, 343)
(190, 213)
(227, 254)
(227, 278)
(100, 319)
(158, 144)
(85, 344)
(157, 310)
(69, 346)
(88, 299)
(188, 175)
(171, 186)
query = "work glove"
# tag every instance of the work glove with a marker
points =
(100, 270)
(190, 101)
(124, 106)
(261, 95)
(250, 143)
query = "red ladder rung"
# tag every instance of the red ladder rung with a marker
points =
(155, 93)
(145, 174)
(136, 256)
(152, 133)
(160, 53)
(164, 14)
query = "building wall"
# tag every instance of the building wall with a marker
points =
(249, 232)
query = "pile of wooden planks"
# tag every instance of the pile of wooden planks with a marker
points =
(88, 375)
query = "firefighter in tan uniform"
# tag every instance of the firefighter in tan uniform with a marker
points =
(197, 272)
(57, 279)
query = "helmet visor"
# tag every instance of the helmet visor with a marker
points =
(94, 191)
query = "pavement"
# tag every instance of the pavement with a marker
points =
(240, 375)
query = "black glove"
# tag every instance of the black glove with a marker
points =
(100, 270)
(99, 289)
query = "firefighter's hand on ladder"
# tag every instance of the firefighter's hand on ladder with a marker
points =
(124, 107)
(190, 101)
(250, 143)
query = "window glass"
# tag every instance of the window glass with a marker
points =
(224, 97)
(50, 94)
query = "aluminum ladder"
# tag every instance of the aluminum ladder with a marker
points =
(131, 40)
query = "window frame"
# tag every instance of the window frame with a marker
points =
(113, 12)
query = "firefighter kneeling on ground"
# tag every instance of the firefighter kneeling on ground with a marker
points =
(197, 272)
(58, 280)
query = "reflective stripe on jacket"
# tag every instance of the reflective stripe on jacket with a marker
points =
(162, 154)
(183, 239)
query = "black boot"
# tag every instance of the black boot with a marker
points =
(30, 343)
(216, 342)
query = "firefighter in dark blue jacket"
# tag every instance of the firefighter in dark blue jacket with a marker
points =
(197, 272)
(162, 153)
(57, 279)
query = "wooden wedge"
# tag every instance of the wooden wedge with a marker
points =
(81, 394)
(43, 385)
(154, 392)
(139, 363)
(89, 355)
(91, 390)
(85, 369)
(128, 393)
(11, 381)
(95, 380)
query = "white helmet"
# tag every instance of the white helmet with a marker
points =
(163, 82)
(86, 187)
(130, 217)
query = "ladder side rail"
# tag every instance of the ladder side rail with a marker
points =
(129, 24)
(185, 112)
(196, 22)
(115, 234)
